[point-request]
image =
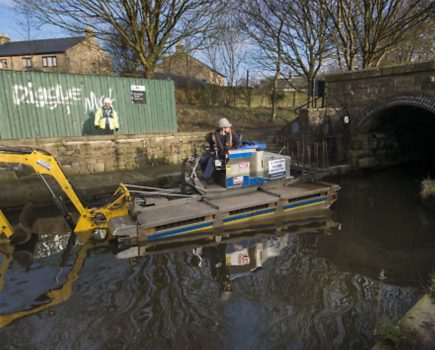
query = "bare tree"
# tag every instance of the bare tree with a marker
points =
(365, 31)
(28, 26)
(227, 51)
(148, 28)
(263, 23)
(125, 61)
(292, 34)
(305, 40)
(416, 45)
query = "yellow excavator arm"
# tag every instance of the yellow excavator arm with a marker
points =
(5, 227)
(44, 163)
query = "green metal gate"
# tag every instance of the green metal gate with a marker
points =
(36, 104)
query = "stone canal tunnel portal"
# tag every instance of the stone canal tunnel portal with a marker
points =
(400, 131)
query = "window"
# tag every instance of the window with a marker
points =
(4, 63)
(49, 61)
(27, 62)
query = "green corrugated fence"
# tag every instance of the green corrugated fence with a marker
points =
(36, 104)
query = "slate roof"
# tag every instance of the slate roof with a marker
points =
(37, 47)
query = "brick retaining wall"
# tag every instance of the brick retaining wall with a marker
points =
(92, 154)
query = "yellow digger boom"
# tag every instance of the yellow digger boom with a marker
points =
(44, 163)
(5, 227)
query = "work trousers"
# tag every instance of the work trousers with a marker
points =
(207, 167)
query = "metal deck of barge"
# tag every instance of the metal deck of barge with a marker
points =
(204, 214)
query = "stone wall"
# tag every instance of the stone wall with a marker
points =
(84, 155)
(360, 92)
(362, 96)
(87, 58)
(185, 65)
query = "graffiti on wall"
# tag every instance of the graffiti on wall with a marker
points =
(57, 96)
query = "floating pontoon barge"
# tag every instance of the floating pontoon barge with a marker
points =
(255, 184)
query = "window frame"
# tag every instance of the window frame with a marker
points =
(27, 60)
(49, 61)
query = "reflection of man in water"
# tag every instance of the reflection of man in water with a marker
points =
(218, 267)
(231, 261)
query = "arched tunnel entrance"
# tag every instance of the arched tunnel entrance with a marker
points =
(399, 134)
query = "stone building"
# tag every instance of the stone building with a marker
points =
(67, 55)
(183, 65)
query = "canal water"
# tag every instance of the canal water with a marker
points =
(321, 281)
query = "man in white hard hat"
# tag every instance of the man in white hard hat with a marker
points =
(221, 141)
(106, 118)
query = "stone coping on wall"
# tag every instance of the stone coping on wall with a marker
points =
(368, 73)
(96, 138)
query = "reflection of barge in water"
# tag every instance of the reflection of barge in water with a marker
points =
(321, 222)
(44, 246)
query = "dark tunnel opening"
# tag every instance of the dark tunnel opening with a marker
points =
(409, 132)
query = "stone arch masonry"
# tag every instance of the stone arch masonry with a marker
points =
(423, 102)
(357, 93)
(361, 95)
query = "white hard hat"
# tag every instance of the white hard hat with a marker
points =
(224, 123)
(107, 100)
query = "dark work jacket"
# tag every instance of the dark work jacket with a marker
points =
(223, 142)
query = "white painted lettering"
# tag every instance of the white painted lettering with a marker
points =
(52, 97)
(19, 94)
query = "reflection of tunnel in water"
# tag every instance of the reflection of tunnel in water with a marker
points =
(409, 132)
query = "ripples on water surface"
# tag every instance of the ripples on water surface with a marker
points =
(318, 287)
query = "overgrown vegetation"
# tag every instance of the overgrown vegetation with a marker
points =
(432, 285)
(427, 193)
(395, 336)
(427, 189)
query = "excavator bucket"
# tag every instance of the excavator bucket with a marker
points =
(23, 231)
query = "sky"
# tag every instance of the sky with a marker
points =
(10, 24)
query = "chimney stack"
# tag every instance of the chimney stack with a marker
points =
(179, 48)
(4, 39)
(89, 32)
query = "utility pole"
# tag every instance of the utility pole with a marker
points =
(248, 93)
